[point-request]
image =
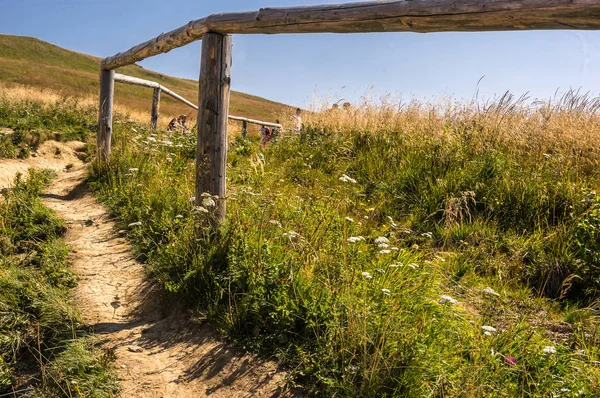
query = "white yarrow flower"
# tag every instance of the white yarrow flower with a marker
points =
(490, 291)
(549, 350)
(489, 329)
(413, 265)
(366, 275)
(133, 169)
(199, 209)
(135, 224)
(447, 299)
(382, 239)
(355, 239)
(386, 292)
(383, 245)
(346, 178)
(349, 219)
(179, 216)
(208, 202)
(385, 251)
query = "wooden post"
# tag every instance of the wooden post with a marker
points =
(244, 128)
(213, 104)
(105, 113)
(155, 109)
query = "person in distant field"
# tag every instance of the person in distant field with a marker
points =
(265, 135)
(297, 120)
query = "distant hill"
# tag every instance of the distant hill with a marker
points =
(30, 61)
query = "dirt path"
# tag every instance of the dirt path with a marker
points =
(160, 353)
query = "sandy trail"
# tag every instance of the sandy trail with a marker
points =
(159, 352)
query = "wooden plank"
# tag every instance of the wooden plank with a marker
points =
(155, 109)
(105, 114)
(213, 100)
(379, 16)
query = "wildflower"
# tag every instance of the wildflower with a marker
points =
(380, 270)
(128, 175)
(381, 240)
(385, 251)
(413, 265)
(193, 199)
(491, 292)
(383, 245)
(366, 275)
(355, 239)
(292, 235)
(366, 217)
(208, 202)
(447, 299)
(511, 361)
(199, 209)
(179, 216)
(135, 224)
(345, 178)
(392, 223)
(549, 350)
(397, 265)
(489, 329)
(275, 222)
(386, 292)
(349, 219)
(395, 249)
(134, 129)
(133, 169)
(370, 209)
(169, 159)
(428, 235)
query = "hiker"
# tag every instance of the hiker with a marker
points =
(265, 135)
(297, 120)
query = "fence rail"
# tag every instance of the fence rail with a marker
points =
(378, 16)
(155, 103)
(359, 17)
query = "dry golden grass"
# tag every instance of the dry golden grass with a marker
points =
(569, 123)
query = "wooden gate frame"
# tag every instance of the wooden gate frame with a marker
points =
(369, 16)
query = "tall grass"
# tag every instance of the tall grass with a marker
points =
(413, 250)
(39, 325)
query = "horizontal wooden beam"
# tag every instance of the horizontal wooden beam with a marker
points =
(379, 16)
(259, 122)
(150, 84)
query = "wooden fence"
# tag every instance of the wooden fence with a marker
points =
(359, 17)
(158, 89)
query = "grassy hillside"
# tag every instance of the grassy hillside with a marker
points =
(423, 252)
(29, 61)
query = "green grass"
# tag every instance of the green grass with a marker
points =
(39, 325)
(463, 210)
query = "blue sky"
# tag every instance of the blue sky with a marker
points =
(291, 68)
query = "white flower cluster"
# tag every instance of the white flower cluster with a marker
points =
(346, 178)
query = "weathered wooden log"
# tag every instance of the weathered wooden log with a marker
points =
(105, 114)
(259, 122)
(150, 84)
(178, 97)
(213, 100)
(379, 16)
(244, 128)
(155, 109)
